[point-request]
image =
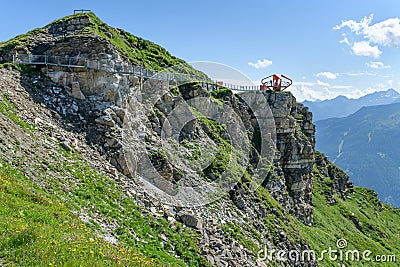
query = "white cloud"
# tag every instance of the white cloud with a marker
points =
(327, 74)
(355, 74)
(370, 74)
(354, 26)
(384, 33)
(323, 84)
(308, 91)
(261, 63)
(321, 91)
(377, 65)
(364, 48)
(341, 86)
(345, 41)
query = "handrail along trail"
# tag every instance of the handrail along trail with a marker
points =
(120, 67)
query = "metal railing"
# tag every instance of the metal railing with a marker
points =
(80, 11)
(120, 67)
(106, 65)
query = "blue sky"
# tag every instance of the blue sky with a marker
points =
(327, 47)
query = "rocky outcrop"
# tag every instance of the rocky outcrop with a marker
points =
(293, 166)
(67, 27)
(69, 41)
(339, 182)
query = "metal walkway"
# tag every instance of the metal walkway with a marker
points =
(119, 67)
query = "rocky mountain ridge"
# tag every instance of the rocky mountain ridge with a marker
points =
(342, 106)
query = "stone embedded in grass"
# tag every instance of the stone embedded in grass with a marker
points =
(190, 220)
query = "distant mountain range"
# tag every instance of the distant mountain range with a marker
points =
(365, 144)
(342, 106)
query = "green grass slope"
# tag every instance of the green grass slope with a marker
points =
(36, 229)
(40, 229)
(362, 220)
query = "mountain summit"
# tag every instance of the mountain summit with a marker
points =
(90, 38)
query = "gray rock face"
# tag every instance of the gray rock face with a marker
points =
(105, 120)
(295, 144)
(190, 220)
(76, 91)
(69, 26)
(290, 181)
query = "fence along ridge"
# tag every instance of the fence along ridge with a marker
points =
(111, 66)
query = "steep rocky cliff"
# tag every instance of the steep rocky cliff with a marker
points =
(56, 120)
